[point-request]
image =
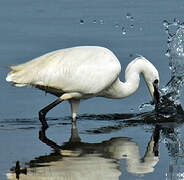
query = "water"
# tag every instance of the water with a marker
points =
(113, 139)
(175, 53)
(170, 94)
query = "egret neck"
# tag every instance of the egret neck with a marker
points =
(139, 66)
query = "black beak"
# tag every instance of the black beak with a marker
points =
(156, 94)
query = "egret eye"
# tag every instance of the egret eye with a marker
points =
(155, 81)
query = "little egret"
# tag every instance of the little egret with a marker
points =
(83, 72)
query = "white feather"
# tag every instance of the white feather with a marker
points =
(88, 70)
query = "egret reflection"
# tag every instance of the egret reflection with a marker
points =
(76, 159)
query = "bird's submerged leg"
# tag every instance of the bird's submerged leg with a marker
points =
(43, 112)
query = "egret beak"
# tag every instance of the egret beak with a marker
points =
(156, 94)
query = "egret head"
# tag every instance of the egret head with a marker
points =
(150, 74)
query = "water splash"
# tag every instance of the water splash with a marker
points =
(170, 95)
(175, 53)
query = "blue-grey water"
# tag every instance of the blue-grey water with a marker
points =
(114, 139)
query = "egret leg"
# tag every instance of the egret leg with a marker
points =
(74, 107)
(43, 112)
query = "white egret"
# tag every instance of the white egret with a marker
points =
(83, 72)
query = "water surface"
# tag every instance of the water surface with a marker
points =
(113, 139)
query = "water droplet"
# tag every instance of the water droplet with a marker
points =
(117, 25)
(167, 31)
(123, 30)
(132, 18)
(167, 53)
(81, 21)
(101, 21)
(165, 23)
(94, 21)
(176, 22)
(131, 25)
(140, 28)
(128, 15)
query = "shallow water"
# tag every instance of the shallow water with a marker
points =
(114, 140)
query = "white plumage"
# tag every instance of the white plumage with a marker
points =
(70, 70)
(83, 72)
